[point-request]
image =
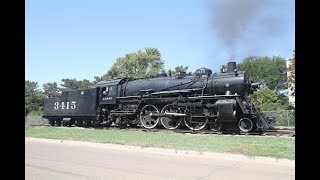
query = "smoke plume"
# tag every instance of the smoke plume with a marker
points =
(242, 23)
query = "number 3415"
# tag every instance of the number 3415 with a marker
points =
(65, 105)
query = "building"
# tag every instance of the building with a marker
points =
(291, 85)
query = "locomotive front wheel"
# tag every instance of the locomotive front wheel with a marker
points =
(172, 122)
(147, 120)
(195, 126)
(245, 124)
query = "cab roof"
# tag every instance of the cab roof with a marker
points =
(109, 83)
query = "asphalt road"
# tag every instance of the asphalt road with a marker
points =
(44, 160)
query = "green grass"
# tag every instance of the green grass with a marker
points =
(276, 147)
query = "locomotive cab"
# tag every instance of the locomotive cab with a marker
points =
(108, 91)
(108, 94)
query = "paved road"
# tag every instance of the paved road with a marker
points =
(70, 161)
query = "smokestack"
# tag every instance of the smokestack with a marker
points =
(231, 66)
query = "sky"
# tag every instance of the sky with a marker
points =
(81, 39)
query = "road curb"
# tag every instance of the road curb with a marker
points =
(189, 153)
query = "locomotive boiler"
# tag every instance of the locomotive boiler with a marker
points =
(220, 101)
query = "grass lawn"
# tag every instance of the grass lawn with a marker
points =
(267, 146)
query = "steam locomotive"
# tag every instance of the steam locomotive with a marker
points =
(220, 101)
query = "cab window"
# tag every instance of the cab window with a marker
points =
(112, 90)
(104, 91)
(108, 90)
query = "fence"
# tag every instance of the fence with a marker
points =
(35, 120)
(284, 118)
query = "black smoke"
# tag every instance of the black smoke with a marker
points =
(240, 23)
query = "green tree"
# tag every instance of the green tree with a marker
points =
(73, 84)
(69, 84)
(33, 97)
(181, 68)
(178, 69)
(138, 64)
(51, 90)
(271, 71)
(97, 79)
(267, 100)
(84, 84)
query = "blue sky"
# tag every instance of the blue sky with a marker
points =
(82, 39)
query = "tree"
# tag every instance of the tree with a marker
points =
(181, 68)
(69, 84)
(97, 79)
(84, 84)
(178, 69)
(267, 100)
(271, 71)
(51, 90)
(73, 84)
(138, 64)
(33, 97)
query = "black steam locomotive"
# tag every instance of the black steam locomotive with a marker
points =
(220, 101)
